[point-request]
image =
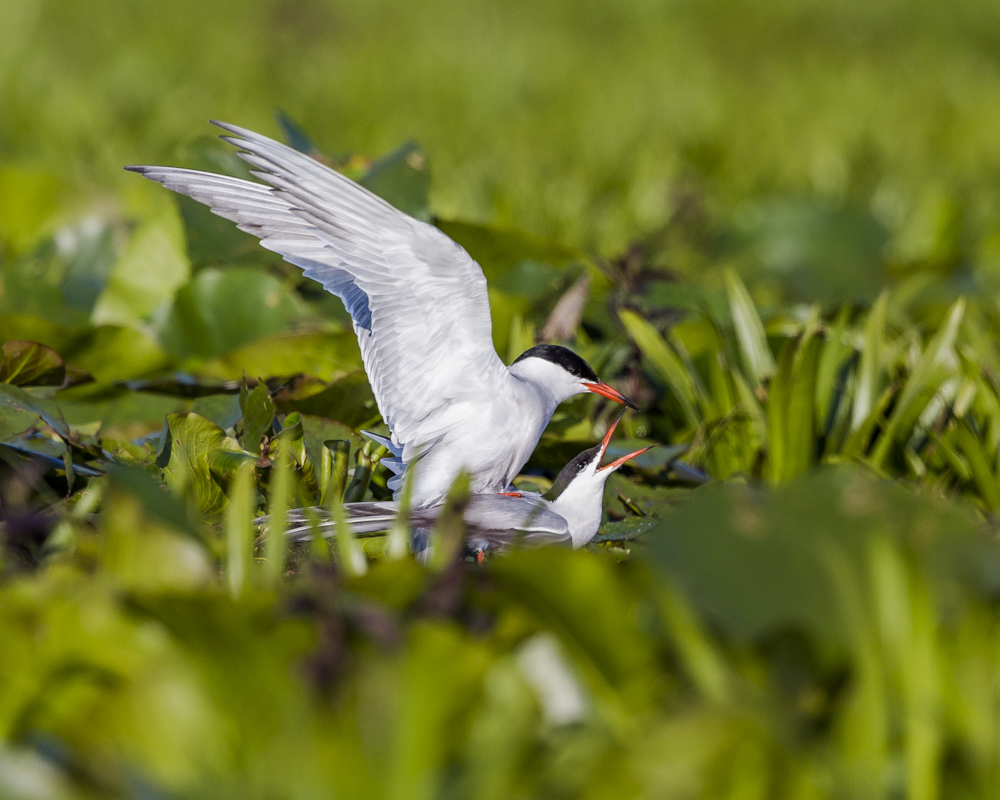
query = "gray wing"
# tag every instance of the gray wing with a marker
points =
(497, 522)
(418, 301)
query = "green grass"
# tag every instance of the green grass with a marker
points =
(786, 214)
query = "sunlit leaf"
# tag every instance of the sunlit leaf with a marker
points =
(184, 456)
(31, 364)
(146, 275)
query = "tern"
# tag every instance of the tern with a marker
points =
(568, 514)
(420, 309)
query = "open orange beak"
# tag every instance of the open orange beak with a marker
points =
(611, 393)
(619, 461)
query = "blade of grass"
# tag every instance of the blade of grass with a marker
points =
(980, 464)
(277, 545)
(921, 381)
(666, 363)
(333, 470)
(399, 534)
(239, 536)
(362, 476)
(757, 357)
(349, 555)
(869, 371)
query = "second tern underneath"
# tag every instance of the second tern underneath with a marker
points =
(568, 514)
(420, 309)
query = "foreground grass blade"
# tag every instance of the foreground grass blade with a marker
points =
(239, 536)
(349, 554)
(277, 544)
(399, 534)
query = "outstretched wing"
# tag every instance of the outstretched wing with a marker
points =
(417, 299)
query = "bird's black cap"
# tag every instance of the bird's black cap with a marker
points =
(562, 356)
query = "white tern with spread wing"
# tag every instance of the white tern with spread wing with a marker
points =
(420, 310)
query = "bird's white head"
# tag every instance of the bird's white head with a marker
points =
(577, 494)
(562, 373)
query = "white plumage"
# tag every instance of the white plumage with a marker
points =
(420, 309)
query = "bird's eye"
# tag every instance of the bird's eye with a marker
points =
(581, 466)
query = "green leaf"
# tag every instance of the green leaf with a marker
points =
(318, 431)
(258, 414)
(294, 134)
(750, 336)
(20, 411)
(226, 463)
(403, 179)
(112, 353)
(758, 564)
(326, 356)
(869, 384)
(348, 400)
(147, 274)
(981, 464)
(937, 359)
(186, 447)
(220, 310)
(31, 364)
(667, 364)
(790, 408)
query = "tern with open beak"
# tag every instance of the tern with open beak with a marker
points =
(420, 309)
(568, 514)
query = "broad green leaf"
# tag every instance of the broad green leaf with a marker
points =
(146, 276)
(186, 447)
(750, 336)
(31, 364)
(20, 411)
(326, 356)
(220, 310)
(112, 353)
(758, 563)
(227, 463)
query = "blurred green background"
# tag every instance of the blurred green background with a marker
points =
(775, 225)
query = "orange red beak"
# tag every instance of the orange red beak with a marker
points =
(619, 461)
(611, 393)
